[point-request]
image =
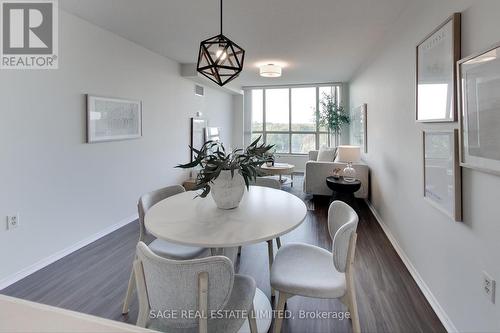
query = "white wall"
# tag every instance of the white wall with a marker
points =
(238, 109)
(449, 256)
(66, 190)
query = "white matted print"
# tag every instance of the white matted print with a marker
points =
(442, 174)
(212, 134)
(358, 127)
(437, 55)
(198, 126)
(110, 119)
(480, 110)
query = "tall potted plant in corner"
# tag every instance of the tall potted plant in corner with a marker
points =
(225, 175)
(333, 116)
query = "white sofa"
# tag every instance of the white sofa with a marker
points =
(316, 173)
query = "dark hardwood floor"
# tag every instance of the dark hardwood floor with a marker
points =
(93, 280)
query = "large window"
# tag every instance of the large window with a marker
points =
(287, 117)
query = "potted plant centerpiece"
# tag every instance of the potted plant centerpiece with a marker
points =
(225, 175)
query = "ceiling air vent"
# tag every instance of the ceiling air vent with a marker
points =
(199, 90)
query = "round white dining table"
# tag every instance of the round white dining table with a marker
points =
(263, 214)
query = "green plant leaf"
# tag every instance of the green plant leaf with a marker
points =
(212, 158)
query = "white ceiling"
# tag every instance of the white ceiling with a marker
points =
(317, 40)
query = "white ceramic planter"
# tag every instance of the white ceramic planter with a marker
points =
(228, 191)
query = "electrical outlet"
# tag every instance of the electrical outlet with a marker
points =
(489, 286)
(12, 221)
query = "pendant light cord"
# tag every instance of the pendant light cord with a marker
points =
(221, 17)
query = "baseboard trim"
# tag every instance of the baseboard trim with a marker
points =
(445, 320)
(9, 280)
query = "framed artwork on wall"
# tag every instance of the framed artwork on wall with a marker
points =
(112, 119)
(212, 133)
(442, 173)
(436, 81)
(479, 93)
(198, 126)
(358, 128)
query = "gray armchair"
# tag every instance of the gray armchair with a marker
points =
(316, 173)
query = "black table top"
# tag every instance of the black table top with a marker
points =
(340, 185)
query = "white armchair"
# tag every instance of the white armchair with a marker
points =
(316, 173)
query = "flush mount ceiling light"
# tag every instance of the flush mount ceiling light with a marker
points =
(219, 58)
(270, 70)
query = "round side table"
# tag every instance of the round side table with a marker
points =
(280, 169)
(343, 190)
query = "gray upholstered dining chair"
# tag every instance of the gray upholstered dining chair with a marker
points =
(158, 246)
(202, 287)
(271, 183)
(310, 271)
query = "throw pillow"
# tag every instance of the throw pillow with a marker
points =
(326, 154)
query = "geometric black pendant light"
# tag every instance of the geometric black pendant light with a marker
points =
(219, 58)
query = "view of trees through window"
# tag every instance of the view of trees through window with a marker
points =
(287, 117)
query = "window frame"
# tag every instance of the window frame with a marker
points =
(337, 91)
